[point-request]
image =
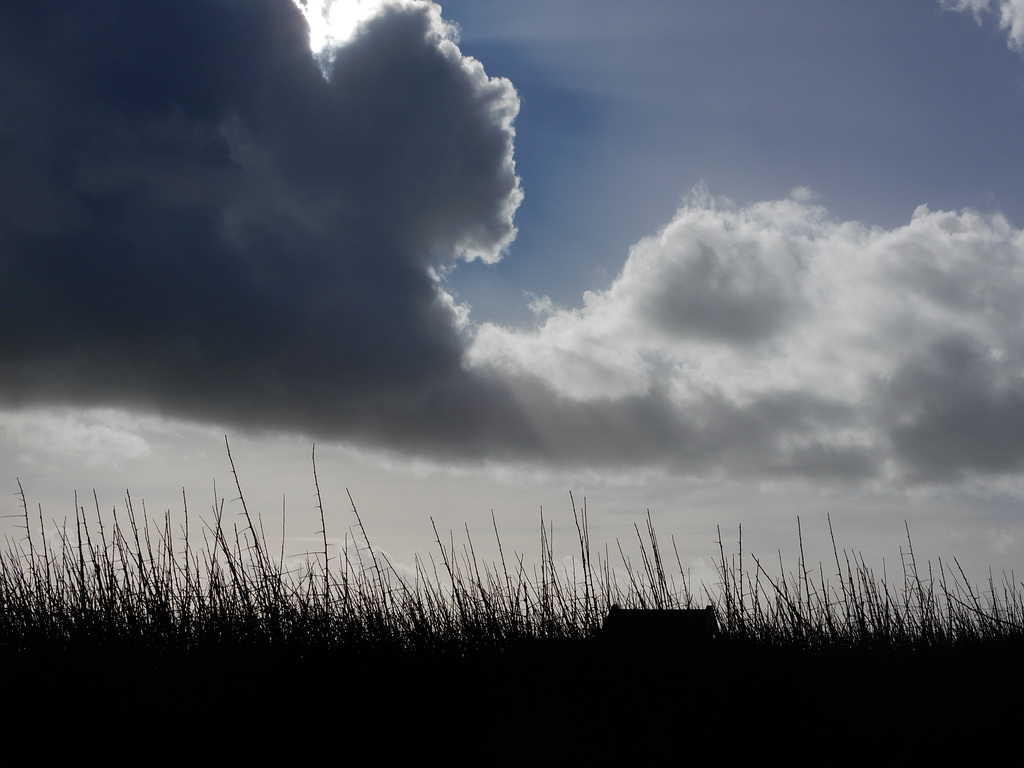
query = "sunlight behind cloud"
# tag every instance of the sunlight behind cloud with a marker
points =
(334, 22)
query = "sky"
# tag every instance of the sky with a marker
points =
(731, 263)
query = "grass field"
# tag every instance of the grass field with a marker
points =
(148, 631)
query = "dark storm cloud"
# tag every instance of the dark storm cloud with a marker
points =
(194, 218)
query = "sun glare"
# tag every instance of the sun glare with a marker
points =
(334, 22)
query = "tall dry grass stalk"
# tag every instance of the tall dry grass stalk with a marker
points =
(125, 580)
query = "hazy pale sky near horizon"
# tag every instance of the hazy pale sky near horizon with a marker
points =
(734, 262)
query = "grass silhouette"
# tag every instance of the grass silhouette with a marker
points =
(151, 622)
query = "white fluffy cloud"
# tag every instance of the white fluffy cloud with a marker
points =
(777, 339)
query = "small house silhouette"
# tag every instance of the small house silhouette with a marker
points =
(647, 627)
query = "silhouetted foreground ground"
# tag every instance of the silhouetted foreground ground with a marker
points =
(124, 644)
(559, 700)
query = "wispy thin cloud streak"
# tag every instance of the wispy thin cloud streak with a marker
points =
(1009, 14)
